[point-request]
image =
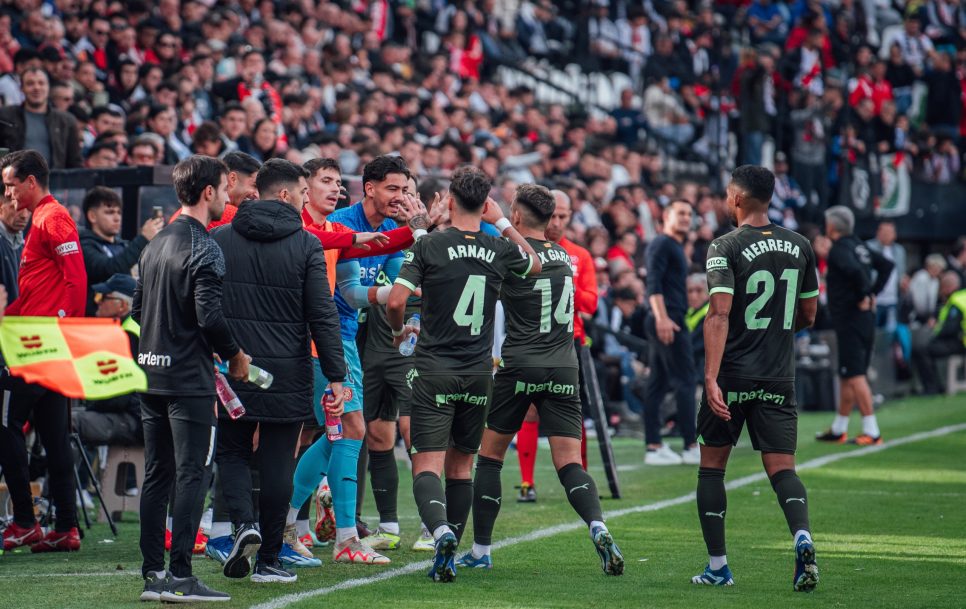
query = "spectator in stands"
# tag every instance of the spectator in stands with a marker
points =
(161, 120)
(36, 126)
(943, 105)
(809, 154)
(143, 152)
(940, 160)
(887, 301)
(61, 96)
(956, 260)
(103, 118)
(666, 114)
(264, 141)
(756, 99)
(13, 221)
(11, 93)
(924, 288)
(102, 155)
(115, 421)
(768, 22)
(105, 253)
(948, 333)
(915, 47)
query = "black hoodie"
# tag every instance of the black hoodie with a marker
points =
(276, 299)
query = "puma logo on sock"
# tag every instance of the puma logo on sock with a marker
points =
(585, 486)
(790, 499)
(495, 500)
(716, 514)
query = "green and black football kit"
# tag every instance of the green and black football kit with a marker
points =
(539, 360)
(767, 269)
(460, 274)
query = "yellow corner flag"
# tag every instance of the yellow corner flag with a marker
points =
(79, 357)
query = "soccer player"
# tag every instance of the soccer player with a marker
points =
(585, 303)
(460, 270)
(764, 289)
(851, 303)
(539, 366)
(242, 169)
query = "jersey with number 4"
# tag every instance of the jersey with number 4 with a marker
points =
(460, 274)
(539, 313)
(767, 269)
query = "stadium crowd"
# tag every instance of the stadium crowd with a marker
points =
(812, 89)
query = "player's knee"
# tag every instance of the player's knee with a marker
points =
(353, 426)
(380, 435)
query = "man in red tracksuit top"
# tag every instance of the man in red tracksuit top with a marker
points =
(585, 303)
(53, 282)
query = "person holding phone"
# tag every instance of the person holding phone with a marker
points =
(105, 253)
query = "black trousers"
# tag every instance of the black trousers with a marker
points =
(275, 460)
(49, 415)
(672, 369)
(179, 446)
(925, 359)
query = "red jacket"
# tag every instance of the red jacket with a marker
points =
(53, 279)
(585, 285)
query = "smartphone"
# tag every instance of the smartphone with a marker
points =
(157, 212)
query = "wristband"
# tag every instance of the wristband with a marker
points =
(502, 224)
(372, 295)
(398, 332)
(419, 232)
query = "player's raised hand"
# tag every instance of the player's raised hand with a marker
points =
(375, 238)
(438, 211)
(715, 399)
(492, 211)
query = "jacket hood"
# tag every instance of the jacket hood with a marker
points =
(266, 220)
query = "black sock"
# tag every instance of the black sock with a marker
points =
(792, 499)
(459, 500)
(581, 492)
(385, 483)
(712, 505)
(487, 496)
(361, 479)
(304, 510)
(430, 500)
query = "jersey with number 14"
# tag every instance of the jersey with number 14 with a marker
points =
(767, 269)
(539, 313)
(460, 273)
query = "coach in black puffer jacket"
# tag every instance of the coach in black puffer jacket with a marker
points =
(275, 298)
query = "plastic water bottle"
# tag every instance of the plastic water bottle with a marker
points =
(228, 397)
(259, 377)
(333, 424)
(407, 347)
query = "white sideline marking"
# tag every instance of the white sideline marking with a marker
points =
(288, 599)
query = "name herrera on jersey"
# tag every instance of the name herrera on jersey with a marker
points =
(471, 251)
(770, 245)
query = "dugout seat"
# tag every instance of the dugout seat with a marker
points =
(955, 374)
(114, 480)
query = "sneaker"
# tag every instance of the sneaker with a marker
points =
(444, 563)
(866, 440)
(383, 540)
(611, 559)
(154, 585)
(806, 569)
(84, 500)
(290, 537)
(424, 543)
(469, 561)
(15, 535)
(190, 590)
(691, 456)
(528, 493)
(834, 438)
(307, 540)
(201, 542)
(356, 552)
(710, 577)
(362, 528)
(218, 548)
(247, 542)
(272, 573)
(662, 456)
(57, 541)
(290, 558)
(325, 525)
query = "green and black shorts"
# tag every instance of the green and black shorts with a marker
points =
(387, 386)
(554, 391)
(767, 406)
(449, 410)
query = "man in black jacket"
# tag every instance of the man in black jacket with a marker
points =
(37, 126)
(105, 253)
(851, 302)
(178, 305)
(277, 299)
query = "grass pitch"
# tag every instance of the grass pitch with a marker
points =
(888, 525)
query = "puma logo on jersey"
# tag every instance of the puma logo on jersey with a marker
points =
(716, 514)
(495, 500)
(790, 499)
(585, 486)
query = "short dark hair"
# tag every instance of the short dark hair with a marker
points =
(101, 110)
(99, 146)
(378, 168)
(427, 190)
(276, 173)
(194, 174)
(232, 107)
(314, 166)
(155, 110)
(242, 162)
(470, 187)
(99, 196)
(537, 202)
(26, 163)
(757, 181)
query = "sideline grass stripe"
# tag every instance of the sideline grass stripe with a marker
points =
(289, 599)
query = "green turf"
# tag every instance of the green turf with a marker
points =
(889, 530)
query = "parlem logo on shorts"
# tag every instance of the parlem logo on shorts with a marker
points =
(739, 397)
(445, 398)
(548, 387)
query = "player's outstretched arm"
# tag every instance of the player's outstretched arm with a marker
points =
(715, 336)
